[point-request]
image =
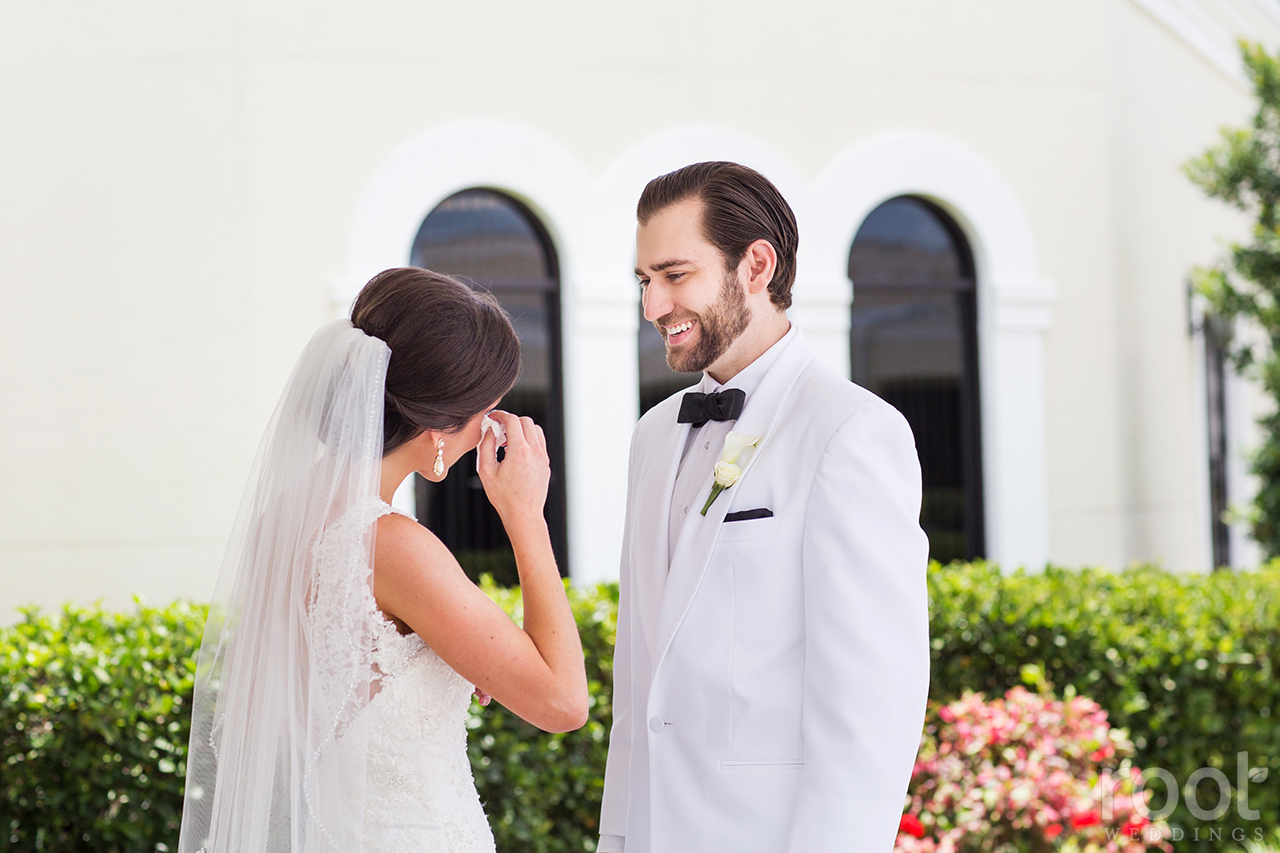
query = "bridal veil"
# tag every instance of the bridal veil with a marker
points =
(286, 665)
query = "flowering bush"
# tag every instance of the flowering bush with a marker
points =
(1024, 774)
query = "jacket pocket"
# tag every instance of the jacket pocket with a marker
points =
(781, 763)
(747, 530)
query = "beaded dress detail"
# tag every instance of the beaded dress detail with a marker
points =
(420, 796)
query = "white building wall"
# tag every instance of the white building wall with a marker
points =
(179, 190)
(126, 417)
(1164, 227)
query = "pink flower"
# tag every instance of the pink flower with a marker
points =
(996, 774)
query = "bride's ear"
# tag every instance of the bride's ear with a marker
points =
(426, 438)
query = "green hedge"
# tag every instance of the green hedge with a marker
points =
(93, 705)
(542, 791)
(1186, 663)
(94, 725)
(93, 728)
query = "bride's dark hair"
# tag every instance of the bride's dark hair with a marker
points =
(453, 351)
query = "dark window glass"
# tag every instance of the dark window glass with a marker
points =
(1216, 340)
(490, 240)
(489, 236)
(913, 342)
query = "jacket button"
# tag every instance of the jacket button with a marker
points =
(657, 724)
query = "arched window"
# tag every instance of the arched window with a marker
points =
(914, 343)
(491, 240)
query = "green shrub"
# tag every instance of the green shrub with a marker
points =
(94, 714)
(94, 705)
(542, 791)
(1260, 842)
(94, 711)
(1186, 663)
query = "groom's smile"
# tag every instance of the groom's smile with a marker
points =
(679, 333)
(694, 301)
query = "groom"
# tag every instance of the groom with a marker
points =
(772, 659)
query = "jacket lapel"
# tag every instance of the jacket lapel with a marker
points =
(652, 521)
(698, 536)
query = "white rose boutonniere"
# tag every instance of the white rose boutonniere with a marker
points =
(727, 469)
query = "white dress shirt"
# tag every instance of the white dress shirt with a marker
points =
(704, 445)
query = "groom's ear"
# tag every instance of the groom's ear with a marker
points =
(761, 262)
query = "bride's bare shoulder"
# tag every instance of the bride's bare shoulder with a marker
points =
(403, 545)
(420, 587)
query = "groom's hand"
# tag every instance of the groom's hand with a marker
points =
(482, 697)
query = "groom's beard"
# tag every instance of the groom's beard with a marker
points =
(718, 327)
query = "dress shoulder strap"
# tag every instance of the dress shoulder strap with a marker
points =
(388, 509)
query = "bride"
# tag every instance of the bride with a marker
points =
(344, 641)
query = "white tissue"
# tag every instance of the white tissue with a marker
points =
(487, 423)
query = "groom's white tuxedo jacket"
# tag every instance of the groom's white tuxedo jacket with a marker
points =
(770, 679)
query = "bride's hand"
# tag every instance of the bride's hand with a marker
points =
(516, 486)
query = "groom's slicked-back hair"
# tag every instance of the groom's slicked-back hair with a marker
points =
(740, 206)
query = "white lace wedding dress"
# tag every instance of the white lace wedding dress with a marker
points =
(420, 796)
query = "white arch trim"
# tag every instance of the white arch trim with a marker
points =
(1014, 308)
(667, 151)
(561, 192)
(591, 223)
(438, 163)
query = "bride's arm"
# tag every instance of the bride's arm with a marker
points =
(537, 672)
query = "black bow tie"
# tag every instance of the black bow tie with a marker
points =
(697, 408)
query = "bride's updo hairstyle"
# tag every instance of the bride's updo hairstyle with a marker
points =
(453, 351)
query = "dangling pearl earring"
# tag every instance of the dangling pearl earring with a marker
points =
(438, 468)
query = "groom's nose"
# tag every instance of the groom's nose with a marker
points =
(657, 301)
